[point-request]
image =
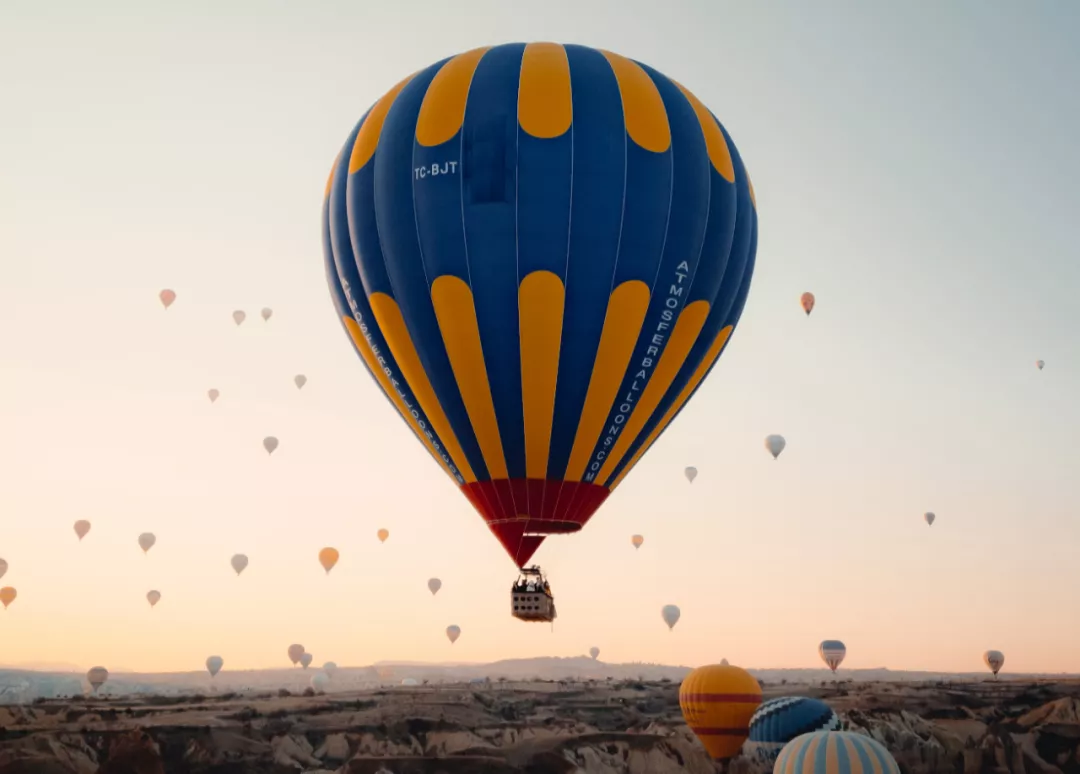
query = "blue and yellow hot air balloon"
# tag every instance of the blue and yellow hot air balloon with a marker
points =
(835, 752)
(778, 721)
(539, 252)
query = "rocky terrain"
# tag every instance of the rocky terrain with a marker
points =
(597, 727)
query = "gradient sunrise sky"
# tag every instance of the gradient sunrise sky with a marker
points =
(915, 165)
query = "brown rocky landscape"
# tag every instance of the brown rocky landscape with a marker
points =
(596, 727)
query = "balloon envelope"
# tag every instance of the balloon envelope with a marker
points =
(832, 652)
(97, 676)
(671, 615)
(778, 721)
(3, 568)
(329, 667)
(452, 633)
(306, 659)
(834, 752)
(383, 534)
(775, 444)
(434, 584)
(213, 394)
(214, 664)
(328, 557)
(146, 541)
(994, 660)
(691, 474)
(266, 313)
(929, 518)
(238, 316)
(1040, 364)
(295, 652)
(239, 562)
(82, 527)
(717, 703)
(594, 652)
(167, 297)
(319, 681)
(153, 597)
(7, 595)
(637, 540)
(299, 380)
(270, 443)
(507, 308)
(806, 301)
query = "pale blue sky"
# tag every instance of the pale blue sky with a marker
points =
(915, 166)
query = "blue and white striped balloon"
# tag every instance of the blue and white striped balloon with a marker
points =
(780, 720)
(835, 752)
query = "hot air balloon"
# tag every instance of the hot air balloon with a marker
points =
(806, 301)
(691, 474)
(994, 660)
(266, 313)
(167, 297)
(300, 380)
(594, 652)
(671, 615)
(410, 681)
(1040, 364)
(832, 652)
(146, 541)
(779, 720)
(214, 664)
(239, 562)
(434, 584)
(295, 652)
(153, 597)
(329, 667)
(306, 659)
(328, 557)
(637, 540)
(7, 595)
(383, 534)
(775, 444)
(270, 443)
(319, 681)
(239, 316)
(82, 527)
(538, 327)
(97, 676)
(213, 394)
(3, 568)
(929, 518)
(834, 752)
(452, 633)
(717, 703)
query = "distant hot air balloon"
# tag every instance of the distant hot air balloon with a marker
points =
(383, 534)
(146, 541)
(319, 681)
(167, 297)
(239, 316)
(82, 527)
(775, 444)
(779, 720)
(507, 307)
(637, 540)
(594, 652)
(239, 562)
(994, 660)
(306, 659)
(832, 652)
(717, 703)
(300, 380)
(691, 474)
(153, 597)
(328, 557)
(929, 518)
(1040, 364)
(213, 394)
(266, 313)
(410, 681)
(835, 752)
(214, 664)
(434, 584)
(329, 667)
(724, 662)
(97, 676)
(7, 595)
(3, 568)
(671, 615)
(806, 301)
(452, 633)
(270, 443)
(295, 652)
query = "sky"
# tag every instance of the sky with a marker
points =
(915, 166)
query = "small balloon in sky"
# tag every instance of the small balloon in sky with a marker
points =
(452, 633)
(329, 667)
(239, 316)
(775, 444)
(3, 568)
(383, 535)
(270, 443)
(594, 652)
(691, 474)
(1040, 364)
(153, 597)
(266, 313)
(806, 301)
(832, 652)
(82, 526)
(328, 557)
(295, 652)
(167, 297)
(213, 394)
(300, 380)
(994, 660)
(306, 659)
(214, 665)
(7, 595)
(146, 541)
(929, 518)
(671, 615)
(434, 584)
(97, 676)
(239, 562)
(637, 540)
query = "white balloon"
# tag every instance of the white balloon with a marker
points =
(306, 659)
(214, 664)
(994, 660)
(267, 312)
(1040, 364)
(671, 615)
(329, 667)
(691, 474)
(775, 444)
(319, 681)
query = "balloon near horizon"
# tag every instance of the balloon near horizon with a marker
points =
(537, 362)
(717, 702)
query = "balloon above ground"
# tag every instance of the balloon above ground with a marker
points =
(806, 301)
(779, 720)
(97, 676)
(929, 517)
(832, 652)
(717, 702)
(775, 444)
(214, 664)
(328, 557)
(239, 562)
(434, 584)
(383, 534)
(213, 394)
(319, 682)
(295, 652)
(238, 316)
(452, 633)
(1040, 364)
(3, 568)
(994, 660)
(266, 313)
(270, 443)
(671, 615)
(306, 659)
(537, 362)
(329, 667)
(691, 474)
(299, 380)
(82, 528)
(146, 541)
(636, 540)
(835, 752)
(594, 652)
(7, 595)
(153, 597)
(167, 297)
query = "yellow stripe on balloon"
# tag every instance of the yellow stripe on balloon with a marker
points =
(541, 299)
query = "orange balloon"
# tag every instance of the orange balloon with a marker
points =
(717, 703)
(7, 595)
(328, 558)
(807, 302)
(383, 535)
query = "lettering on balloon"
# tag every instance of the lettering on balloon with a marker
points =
(410, 404)
(677, 287)
(435, 169)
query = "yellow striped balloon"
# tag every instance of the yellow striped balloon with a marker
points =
(717, 703)
(834, 752)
